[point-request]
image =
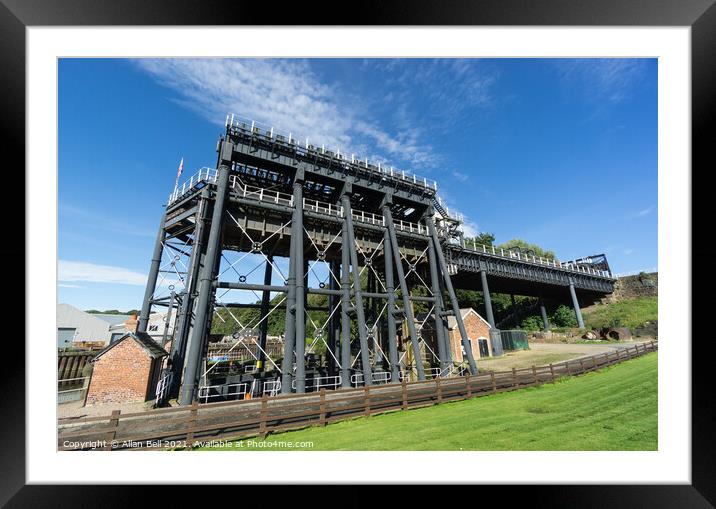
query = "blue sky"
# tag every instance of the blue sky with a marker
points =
(559, 152)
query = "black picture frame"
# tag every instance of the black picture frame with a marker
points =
(700, 15)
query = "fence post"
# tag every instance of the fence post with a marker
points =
(439, 390)
(569, 371)
(264, 412)
(366, 390)
(111, 435)
(581, 365)
(405, 395)
(514, 377)
(191, 422)
(323, 406)
(468, 386)
(534, 374)
(551, 371)
(494, 383)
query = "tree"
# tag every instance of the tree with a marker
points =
(525, 247)
(482, 239)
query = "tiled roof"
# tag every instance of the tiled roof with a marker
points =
(145, 341)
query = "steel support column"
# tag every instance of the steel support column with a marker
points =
(390, 290)
(357, 291)
(345, 311)
(184, 317)
(444, 323)
(438, 307)
(265, 302)
(451, 293)
(334, 325)
(206, 286)
(575, 303)
(289, 343)
(543, 312)
(152, 277)
(407, 309)
(486, 296)
(300, 287)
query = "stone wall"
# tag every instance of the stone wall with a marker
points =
(641, 285)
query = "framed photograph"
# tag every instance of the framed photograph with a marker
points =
(427, 248)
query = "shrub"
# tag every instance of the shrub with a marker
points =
(532, 323)
(564, 316)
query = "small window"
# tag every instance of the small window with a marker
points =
(153, 328)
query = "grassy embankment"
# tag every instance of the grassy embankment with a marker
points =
(612, 409)
(630, 313)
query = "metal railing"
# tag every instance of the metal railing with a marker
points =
(377, 377)
(74, 394)
(272, 388)
(203, 175)
(516, 255)
(224, 391)
(162, 387)
(319, 382)
(208, 175)
(303, 147)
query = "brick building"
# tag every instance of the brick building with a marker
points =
(478, 331)
(127, 371)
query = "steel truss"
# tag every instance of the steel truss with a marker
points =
(344, 255)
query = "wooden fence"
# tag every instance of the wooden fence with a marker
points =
(190, 426)
(70, 365)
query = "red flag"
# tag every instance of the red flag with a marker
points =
(181, 168)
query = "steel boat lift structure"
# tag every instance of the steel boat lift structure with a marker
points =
(374, 241)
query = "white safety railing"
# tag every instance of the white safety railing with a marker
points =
(74, 394)
(205, 391)
(203, 175)
(259, 193)
(322, 207)
(162, 387)
(304, 147)
(516, 255)
(377, 377)
(272, 387)
(433, 373)
(320, 382)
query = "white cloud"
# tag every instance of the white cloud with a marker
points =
(470, 228)
(462, 177)
(93, 273)
(285, 94)
(604, 79)
(645, 212)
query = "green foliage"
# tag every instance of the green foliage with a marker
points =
(526, 246)
(532, 323)
(112, 312)
(626, 313)
(563, 316)
(485, 239)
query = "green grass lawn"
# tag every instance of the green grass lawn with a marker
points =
(626, 313)
(612, 409)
